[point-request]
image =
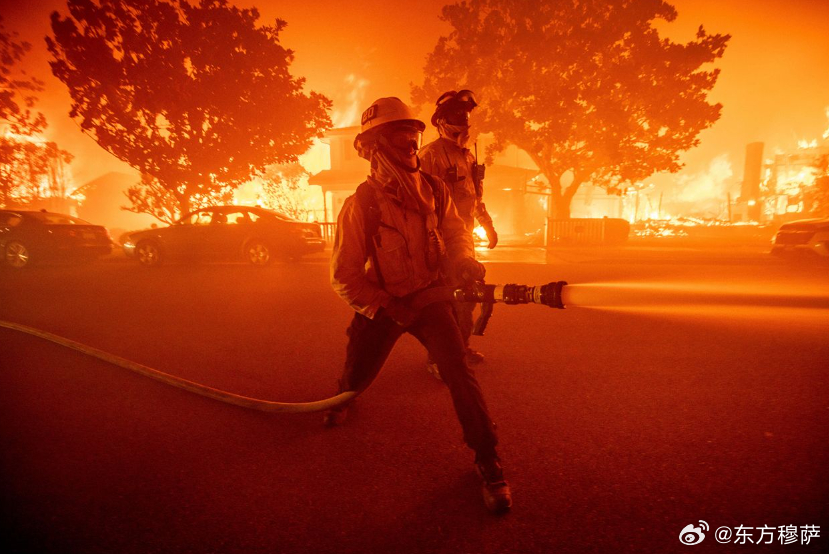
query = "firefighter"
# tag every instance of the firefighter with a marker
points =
(449, 159)
(396, 236)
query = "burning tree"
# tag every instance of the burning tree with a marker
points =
(22, 161)
(31, 170)
(194, 96)
(586, 87)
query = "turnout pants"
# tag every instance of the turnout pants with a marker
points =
(370, 342)
(463, 313)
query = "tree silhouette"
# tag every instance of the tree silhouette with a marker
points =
(582, 86)
(17, 89)
(194, 96)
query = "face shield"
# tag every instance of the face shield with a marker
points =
(405, 138)
(459, 118)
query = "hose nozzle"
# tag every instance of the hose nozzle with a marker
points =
(551, 294)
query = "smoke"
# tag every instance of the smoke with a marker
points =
(353, 100)
(707, 186)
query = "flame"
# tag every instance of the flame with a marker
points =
(355, 97)
(308, 197)
(56, 183)
(317, 158)
(805, 144)
(707, 185)
(23, 138)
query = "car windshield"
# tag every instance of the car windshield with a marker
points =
(277, 215)
(48, 218)
(197, 218)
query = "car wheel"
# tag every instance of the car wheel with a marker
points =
(258, 253)
(148, 253)
(17, 255)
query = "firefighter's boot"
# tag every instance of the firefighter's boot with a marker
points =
(497, 496)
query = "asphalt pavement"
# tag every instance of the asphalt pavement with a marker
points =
(682, 383)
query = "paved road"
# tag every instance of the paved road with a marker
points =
(682, 385)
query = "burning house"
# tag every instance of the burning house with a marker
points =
(789, 180)
(101, 201)
(346, 171)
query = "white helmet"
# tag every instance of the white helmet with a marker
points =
(381, 113)
(388, 110)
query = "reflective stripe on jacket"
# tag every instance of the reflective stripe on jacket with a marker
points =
(401, 251)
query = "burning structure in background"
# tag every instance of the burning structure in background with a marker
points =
(34, 173)
(790, 185)
(308, 190)
(794, 183)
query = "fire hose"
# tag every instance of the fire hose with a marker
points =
(550, 295)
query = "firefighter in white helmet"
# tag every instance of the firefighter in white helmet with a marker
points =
(449, 158)
(398, 235)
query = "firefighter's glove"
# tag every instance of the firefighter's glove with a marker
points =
(400, 312)
(469, 270)
(491, 235)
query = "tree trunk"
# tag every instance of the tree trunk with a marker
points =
(183, 202)
(555, 202)
(563, 208)
(560, 200)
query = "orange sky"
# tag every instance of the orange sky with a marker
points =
(774, 83)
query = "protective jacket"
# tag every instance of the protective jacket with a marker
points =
(445, 159)
(401, 249)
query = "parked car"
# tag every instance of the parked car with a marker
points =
(226, 233)
(805, 236)
(28, 237)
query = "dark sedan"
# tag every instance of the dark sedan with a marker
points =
(226, 233)
(27, 237)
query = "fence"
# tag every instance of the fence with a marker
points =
(605, 230)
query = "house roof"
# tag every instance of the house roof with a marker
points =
(114, 180)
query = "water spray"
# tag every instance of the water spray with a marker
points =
(680, 296)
